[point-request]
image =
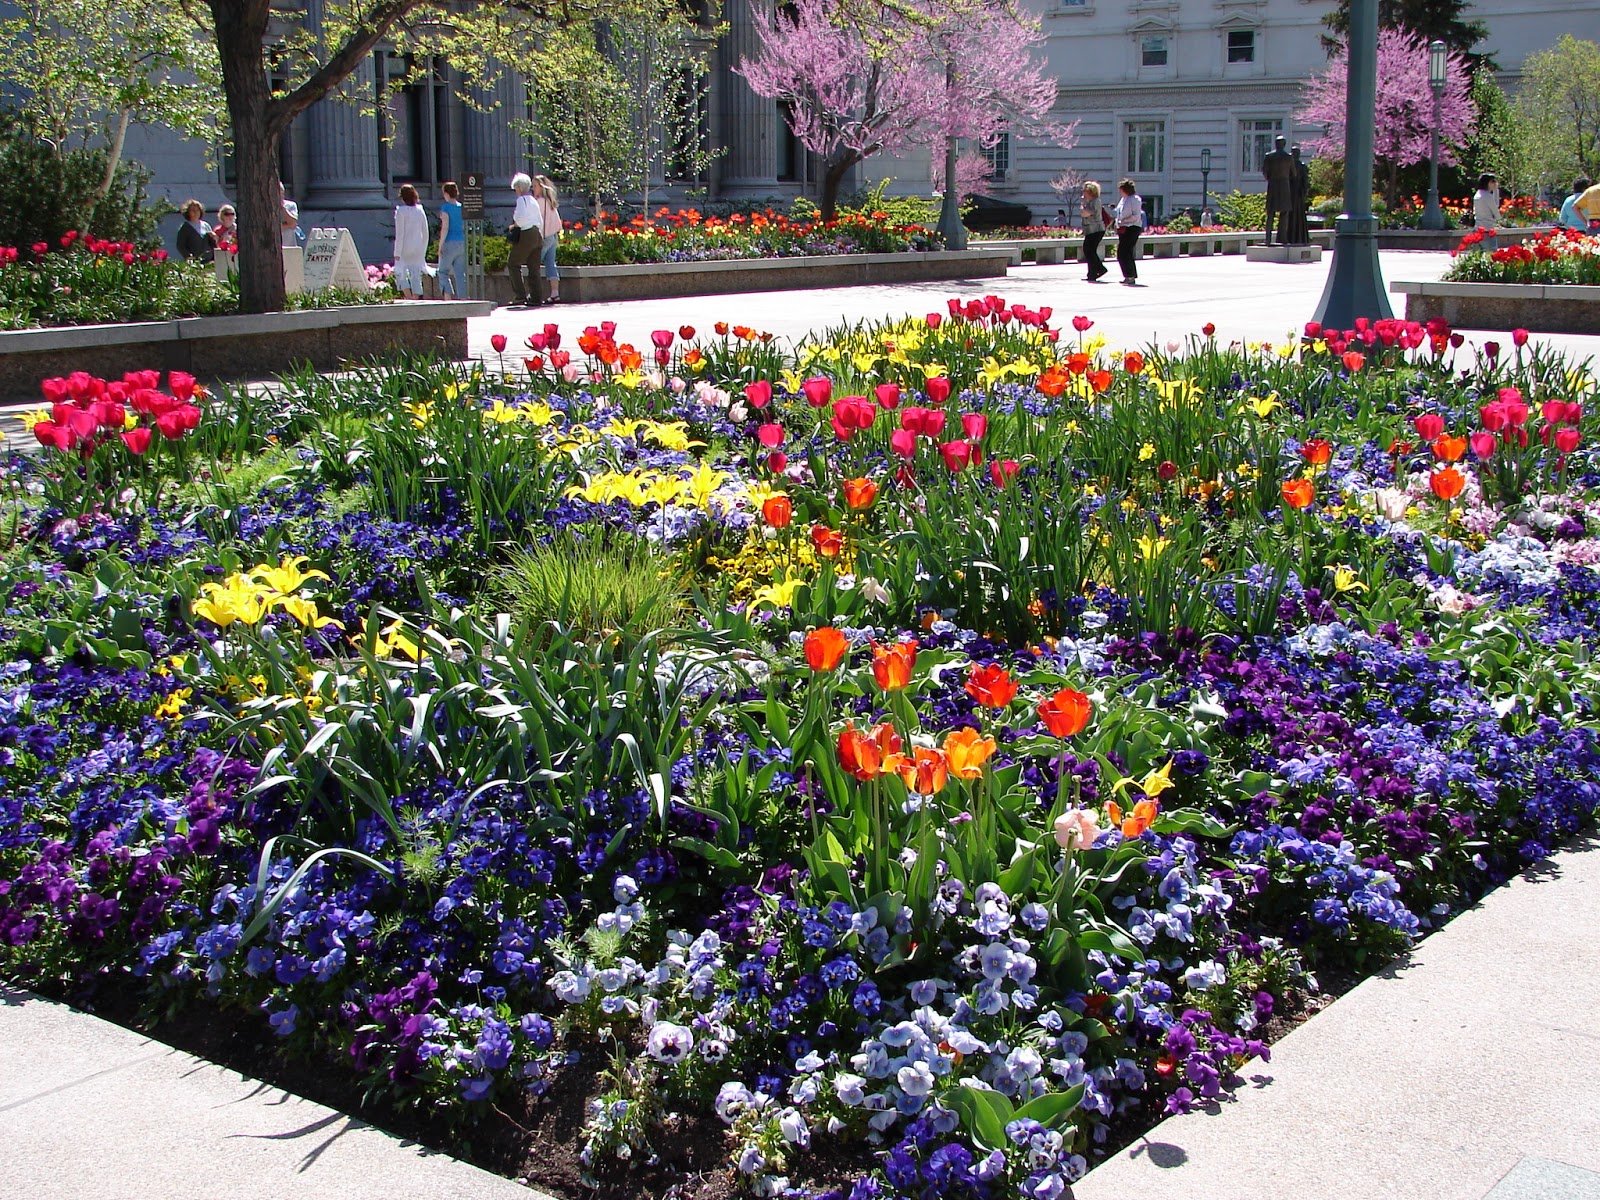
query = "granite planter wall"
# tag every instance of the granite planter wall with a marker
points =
(1542, 308)
(657, 281)
(241, 347)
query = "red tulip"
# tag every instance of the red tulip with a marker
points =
(498, 341)
(661, 338)
(852, 413)
(777, 461)
(1298, 493)
(82, 422)
(55, 390)
(758, 393)
(817, 390)
(938, 389)
(686, 332)
(1519, 338)
(1429, 426)
(1167, 470)
(974, 425)
(903, 442)
(1316, 451)
(888, 395)
(1208, 329)
(137, 439)
(1567, 440)
(1066, 714)
(1492, 350)
(991, 686)
(1482, 443)
(934, 320)
(1001, 470)
(534, 363)
(958, 456)
(770, 436)
(1082, 324)
(1493, 415)
(49, 433)
(1133, 362)
(170, 425)
(777, 511)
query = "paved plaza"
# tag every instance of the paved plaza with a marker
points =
(1246, 301)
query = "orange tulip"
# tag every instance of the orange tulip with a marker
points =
(1298, 493)
(859, 754)
(1078, 363)
(966, 750)
(828, 542)
(991, 686)
(891, 665)
(1449, 449)
(1054, 381)
(1140, 819)
(1067, 713)
(924, 771)
(777, 511)
(825, 648)
(1447, 483)
(860, 493)
(1354, 360)
(1316, 451)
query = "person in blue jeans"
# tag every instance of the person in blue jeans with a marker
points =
(452, 242)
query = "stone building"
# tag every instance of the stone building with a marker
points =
(1152, 84)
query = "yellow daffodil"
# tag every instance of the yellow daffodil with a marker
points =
(864, 361)
(703, 483)
(779, 595)
(1153, 784)
(1147, 452)
(305, 611)
(1151, 547)
(1263, 406)
(30, 419)
(421, 414)
(669, 435)
(1345, 580)
(288, 576)
(235, 599)
(394, 642)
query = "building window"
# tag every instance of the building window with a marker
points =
(1153, 50)
(791, 151)
(1155, 209)
(1147, 147)
(1255, 143)
(1241, 45)
(998, 156)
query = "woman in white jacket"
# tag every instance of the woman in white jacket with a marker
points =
(550, 215)
(410, 243)
(1486, 210)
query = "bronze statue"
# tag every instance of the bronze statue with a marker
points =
(1293, 229)
(1282, 173)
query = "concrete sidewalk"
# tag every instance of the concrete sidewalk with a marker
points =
(1465, 1070)
(92, 1111)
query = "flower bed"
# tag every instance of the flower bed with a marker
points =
(86, 281)
(1562, 256)
(906, 764)
(687, 236)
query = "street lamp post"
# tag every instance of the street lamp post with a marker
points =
(950, 226)
(1438, 64)
(1355, 281)
(1205, 180)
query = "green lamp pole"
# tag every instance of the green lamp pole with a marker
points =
(1355, 280)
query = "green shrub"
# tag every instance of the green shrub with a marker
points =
(898, 210)
(593, 587)
(45, 195)
(1243, 210)
(1182, 223)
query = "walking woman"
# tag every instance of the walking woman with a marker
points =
(452, 242)
(410, 243)
(527, 244)
(1129, 219)
(1094, 230)
(550, 212)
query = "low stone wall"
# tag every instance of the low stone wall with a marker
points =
(1541, 308)
(1051, 250)
(659, 281)
(241, 347)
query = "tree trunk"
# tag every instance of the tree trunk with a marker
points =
(832, 176)
(241, 28)
(113, 157)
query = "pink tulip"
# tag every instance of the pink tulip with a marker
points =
(758, 393)
(817, 391)
(1482, 443)
(770, 436)
(498, 342)
(888, 395)
(974, 425)
(903, 442)
(138, 439)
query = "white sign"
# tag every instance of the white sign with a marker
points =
(293, 268)
(331, 261)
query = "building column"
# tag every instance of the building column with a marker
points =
(343, 141)
(490, 142)
(748, 123)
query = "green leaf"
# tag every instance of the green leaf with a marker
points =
(1050, 1109)
(984, 1114)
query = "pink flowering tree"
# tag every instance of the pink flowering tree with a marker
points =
(972, 169)
(1404, 110)
(856, 89)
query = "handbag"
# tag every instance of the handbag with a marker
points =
(1105, 216)
(514, 233)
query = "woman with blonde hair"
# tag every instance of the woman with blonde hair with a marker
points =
(550, 226)
(1095, 218)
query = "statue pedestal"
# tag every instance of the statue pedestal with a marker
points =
(1283, 254)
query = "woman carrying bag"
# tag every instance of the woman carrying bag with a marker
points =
(527, 245)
